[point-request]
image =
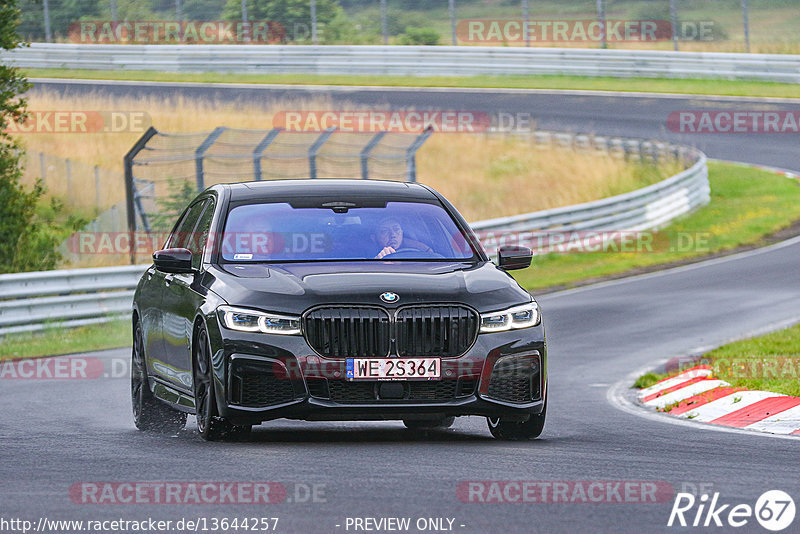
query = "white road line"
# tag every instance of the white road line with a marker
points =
(725, 405)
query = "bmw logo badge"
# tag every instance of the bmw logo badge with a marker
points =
(390, 297)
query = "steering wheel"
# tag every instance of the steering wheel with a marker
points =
(409, 252)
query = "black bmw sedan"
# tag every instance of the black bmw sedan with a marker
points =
(328, 300)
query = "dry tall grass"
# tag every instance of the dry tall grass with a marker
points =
(484, 176)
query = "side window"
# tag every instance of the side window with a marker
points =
(182, 235)
(200, 234)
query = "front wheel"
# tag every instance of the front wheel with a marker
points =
(514, 431)
(210, 425)
(149, 413)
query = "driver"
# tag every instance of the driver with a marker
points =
(389, 236)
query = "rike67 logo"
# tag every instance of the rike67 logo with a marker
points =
(774, 510)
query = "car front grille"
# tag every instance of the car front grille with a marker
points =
(355, 392)
(348, 331)
(515, 379)
(255, 385)
(367, 332)
(445, 331)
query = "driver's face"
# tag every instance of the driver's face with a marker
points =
(390, 234)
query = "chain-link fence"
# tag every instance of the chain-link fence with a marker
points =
(163, 171)
(89, 189)
(765, 26)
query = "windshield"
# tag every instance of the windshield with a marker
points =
(279, 232)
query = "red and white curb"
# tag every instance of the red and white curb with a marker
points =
(694, 394)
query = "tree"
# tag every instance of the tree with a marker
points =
(294, 15)
(29, 234)
(18, 206)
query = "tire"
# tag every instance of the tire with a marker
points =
(149, 413)
(210, 425)
(514, 431)
(424, 424)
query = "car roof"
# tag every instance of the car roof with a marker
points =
(329, 188)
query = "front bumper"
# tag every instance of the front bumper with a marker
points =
(260, 377)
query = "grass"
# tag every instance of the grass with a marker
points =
(55, 340)
(765, 363)
(654, 85)
(746, 205)
(460, 165)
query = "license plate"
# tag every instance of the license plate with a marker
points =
(394, 368)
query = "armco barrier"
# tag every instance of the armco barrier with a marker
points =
(31, 301)
(408, 60)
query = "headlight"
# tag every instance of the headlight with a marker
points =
(517, 317)
(245, 320)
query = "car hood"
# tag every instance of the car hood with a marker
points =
(293, 288)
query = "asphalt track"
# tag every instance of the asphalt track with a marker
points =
(60, 432)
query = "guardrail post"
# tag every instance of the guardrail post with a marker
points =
(411, 154)
(130, 188)
(259, 150)
(200, 153)
(366, 152)
(314, 149)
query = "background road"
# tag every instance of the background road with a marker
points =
(57, 433)
(629, 115)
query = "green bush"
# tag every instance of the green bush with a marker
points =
(420, 36)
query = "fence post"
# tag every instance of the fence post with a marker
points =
(314, 148)
(130, 188)
(259, 150)
(366, 152)
(97, 187)
(673, 15)
(48, 34)
(200, 153)
(526, 17)
(314, 39)
(411, 154)
(601, 18)
(746, 21)
(384, 24)
(452, 10)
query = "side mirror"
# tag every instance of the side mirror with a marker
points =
(173, 260)
(513, 257)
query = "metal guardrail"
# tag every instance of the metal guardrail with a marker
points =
(408, 60)
(32, 301)
(648, 208)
